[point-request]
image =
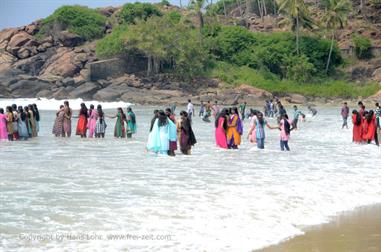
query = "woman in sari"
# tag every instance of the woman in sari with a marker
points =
(82, 121)
(172, 144)
(163, 131)
(357, 126)
(100, 127)
(37, 116)
(67, 119)
(187, 138)
(3, 126)
(91, 124)
(221, 126)
(15, 122)
(119, 130)
(58, 129)
(234, 131)
(27, 121)
(369, 127)
(22, 121)
(10, 123)
(32, 120)
(131, 122)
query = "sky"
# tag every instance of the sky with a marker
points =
(14, 13)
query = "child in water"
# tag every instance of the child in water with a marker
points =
(259, 127)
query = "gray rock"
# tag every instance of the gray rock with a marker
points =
(107, 94)
(85, 91)
(28, 88)
(68, 81)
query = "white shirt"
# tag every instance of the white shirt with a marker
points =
(190, 108)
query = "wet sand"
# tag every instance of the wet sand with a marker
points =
(356, 231)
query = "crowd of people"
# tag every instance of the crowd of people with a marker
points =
(229, 126)
(19, 123)
(366, 123)
(91, 122)
(166, 131)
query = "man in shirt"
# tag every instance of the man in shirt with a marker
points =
(344, 115)
(242, 109)
(190, 110)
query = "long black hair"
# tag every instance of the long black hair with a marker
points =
(222, 114)
(36, 112)
(369, 116)
(21, 113)
(83, 110)
(100, 113)
(358, 117)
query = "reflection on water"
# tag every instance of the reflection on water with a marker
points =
(213, 200)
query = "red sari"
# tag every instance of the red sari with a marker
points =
(357, 130)
(82, 125)
(369, 129)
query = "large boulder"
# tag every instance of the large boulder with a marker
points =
(17, 41)
(297, 99)
(256, 92)
(62, 64)
(107, 94)
(85, 91)
(28, 88)
(377, 75)
(23, 53)
(69, 39)
(6, 59)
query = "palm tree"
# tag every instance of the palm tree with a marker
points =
(197, 6)
(298, 15)
(335, 17)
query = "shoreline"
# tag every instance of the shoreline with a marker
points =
(357, 230)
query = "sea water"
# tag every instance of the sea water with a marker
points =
(73, 194)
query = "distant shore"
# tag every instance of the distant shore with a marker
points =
(352, 231)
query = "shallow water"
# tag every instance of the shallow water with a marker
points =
(213, 200)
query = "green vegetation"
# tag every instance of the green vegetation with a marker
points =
(85, 22)
(362, 47)
(235, 75)
(132, 11)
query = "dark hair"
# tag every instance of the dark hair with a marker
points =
(83, 110)
(162, 118)
(358, 117)
(260, 120)
(91, 106)
(369, 116)
(360, 103)
(235, 110)
(222, 114)
(129, 109)
(61, 106)
(1, 111)
(21, 113)
(168, 111)
(100, 113)
(377, 104)
(66, 103)
(189, 100)
(36, 112)
(155, 111)
(14, 107)
(9, 109)
(184, 113)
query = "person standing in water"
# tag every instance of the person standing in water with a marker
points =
(297, 113)
(100, 126)
(259, 127)
(357, 126)
(9, 115)
(234, 131)
(58, 126)
(344, 114)
(172, 144)
(215, 109)
(285, 130)
(91, 124)
(377, 113)
(82, 121)
(187, 138)
(119, 129)
(67, 119)
(131, 122)
(221, 127)
(202, 109)
(3, 126)
(242, 109)
(22, 122)
(312, 110)
(190, 110)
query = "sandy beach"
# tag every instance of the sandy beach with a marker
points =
(355, 231)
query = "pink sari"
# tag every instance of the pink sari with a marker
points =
(92, 122)
(221, 135)
(252, 136)
(3, 128)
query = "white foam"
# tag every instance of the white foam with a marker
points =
(53, 104)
